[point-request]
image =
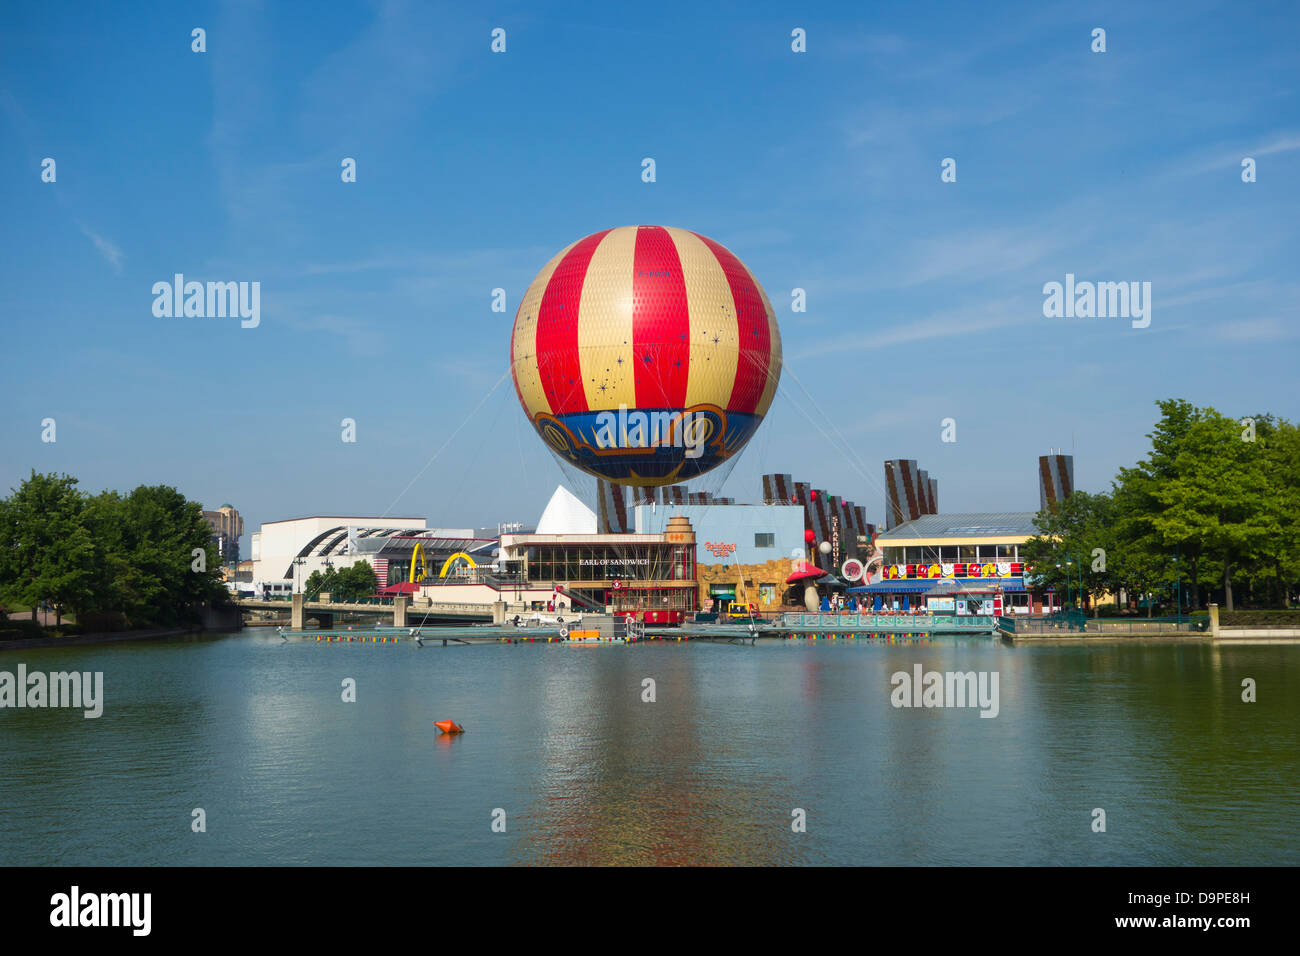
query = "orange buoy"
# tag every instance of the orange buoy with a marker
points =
(449, 726)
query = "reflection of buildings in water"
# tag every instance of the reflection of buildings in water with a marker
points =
(623, 782)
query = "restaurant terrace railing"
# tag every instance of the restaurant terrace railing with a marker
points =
(1060, 624)
(810, 621)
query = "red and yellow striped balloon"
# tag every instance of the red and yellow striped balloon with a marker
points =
(645, 355)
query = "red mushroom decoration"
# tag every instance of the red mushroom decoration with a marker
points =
(808, 573)
(809, 536)
(803, 571)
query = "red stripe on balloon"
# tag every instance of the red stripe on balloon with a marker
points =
(558, 364)
(661, 322)
(754, 337)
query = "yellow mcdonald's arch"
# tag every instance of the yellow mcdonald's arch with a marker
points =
(417, 561)
(446, 565)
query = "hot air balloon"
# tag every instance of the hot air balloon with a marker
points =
(645, 355)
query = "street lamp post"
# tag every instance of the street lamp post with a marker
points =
(1178, 574)
(297, 574)
(1080, 560)
(1068, 600)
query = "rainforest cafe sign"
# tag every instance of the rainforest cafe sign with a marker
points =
(720, 550)
(999, 569)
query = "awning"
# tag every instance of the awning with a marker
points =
(895, 586)
(398, 589)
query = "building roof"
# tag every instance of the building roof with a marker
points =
(972, 524)
(344, 519)
(565, 514)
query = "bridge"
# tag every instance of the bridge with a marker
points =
(402, 611)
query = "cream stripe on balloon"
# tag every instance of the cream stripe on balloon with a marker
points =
(523, 349)
(715, 337)
(605, 318)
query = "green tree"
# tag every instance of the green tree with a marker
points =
(357, 581)
(1140, 546)
(1275, 566)
(319, 582)
(1064, 554)
(1216, 497)
(162, 535)
(135, 555)
(46, 552)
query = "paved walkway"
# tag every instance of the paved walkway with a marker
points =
(45, 618)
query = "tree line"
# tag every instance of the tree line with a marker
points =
(1214, 508)
(114, 561)
(344, 584)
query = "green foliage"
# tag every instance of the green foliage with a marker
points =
(1272, 618)
(1063, 553)
(129, 560)
(1207, 503)
(343, 584)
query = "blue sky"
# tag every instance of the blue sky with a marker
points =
(820, 170)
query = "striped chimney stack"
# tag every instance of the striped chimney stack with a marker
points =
(672, 495)
(923, 491)
(1055, 479)
(820, 510)
(909, 492)
(778, 490)
(611, 512)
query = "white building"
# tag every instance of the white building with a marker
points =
(280, 544)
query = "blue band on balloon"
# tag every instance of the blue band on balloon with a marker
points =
(647, 446)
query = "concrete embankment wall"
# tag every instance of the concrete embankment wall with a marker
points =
(1258, 634)
(1094, 637)
(1114, 630)
(213, 620)
(1265, 632)
(75, 640)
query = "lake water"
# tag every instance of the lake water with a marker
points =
(254, 731)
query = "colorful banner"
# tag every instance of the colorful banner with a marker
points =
(992, 569)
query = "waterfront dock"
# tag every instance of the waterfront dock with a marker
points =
(794, 625)
(1076, 627)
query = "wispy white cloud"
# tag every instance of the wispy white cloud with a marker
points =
(950, 323)
(362, 337)
(1224, 156)
(1263, 329)
(110, 250)
(977, 255)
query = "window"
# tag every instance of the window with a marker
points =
(765, 539)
